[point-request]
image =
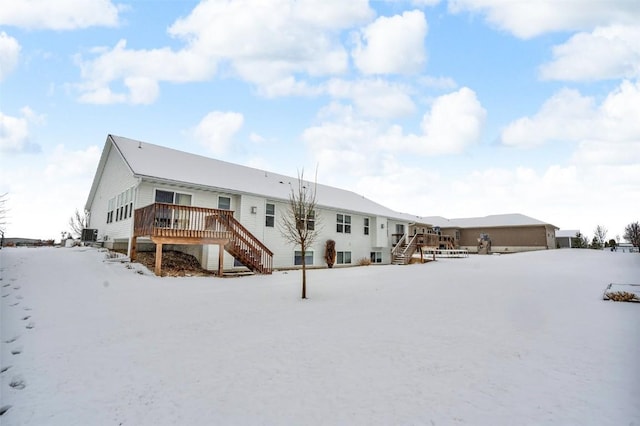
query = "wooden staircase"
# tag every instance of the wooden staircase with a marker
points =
(176, 224)
(245, 247)
(404, 250)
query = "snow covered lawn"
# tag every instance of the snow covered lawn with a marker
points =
(522, 339)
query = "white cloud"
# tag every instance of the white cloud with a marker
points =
(425, 2)
(567, 115)
(56, 183)
(442, 83)
(392, 45)
(59, 15)
(216, 130)
(65, 164)
(527, 19)
(268, 41)
(9, 54)
(606, 53)
(140, 70)
(15, 133)
(609, 132)
(348, 141)
(454, 123)
(264, 43)
(373, 97)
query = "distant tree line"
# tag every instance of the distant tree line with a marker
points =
(599, 240)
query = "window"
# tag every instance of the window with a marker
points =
(224, 203)
(310, 220)
(366, 226)
(164, 196)
(171, 197)
(168, 217)
(343, 257)
(270, 215)
(343, 223)
(308, 258)
(110, 208)
(376, 257)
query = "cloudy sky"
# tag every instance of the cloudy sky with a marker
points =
(456, 108)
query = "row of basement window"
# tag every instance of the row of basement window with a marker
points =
(342, 257)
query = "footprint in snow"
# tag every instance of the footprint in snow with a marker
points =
(16, 287)
(13, 339)
(17, 383)
(6, 285)
(26, 318)
(26, 308)
(3, 369)
(16, 351)
(30, 325)
(15, 304)
(19, 297)
(4, 409)
(6, 295)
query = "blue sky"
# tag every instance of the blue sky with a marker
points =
(453, 108)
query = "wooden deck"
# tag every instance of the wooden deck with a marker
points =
(176, 224)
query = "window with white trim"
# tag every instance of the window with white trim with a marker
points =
(270, 215)
(171, 217)
(376, 257)
(224, 203)
(366, 226)
(110, 209)
(343, 223)
(343, 257)
(308, 257)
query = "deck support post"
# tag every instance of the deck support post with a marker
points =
(158, 269)
(220, 259)
(132, 248)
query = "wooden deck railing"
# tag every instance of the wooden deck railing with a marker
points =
(243, 245)
(202, 224)
(172, 220)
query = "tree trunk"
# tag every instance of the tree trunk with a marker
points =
(304, 271)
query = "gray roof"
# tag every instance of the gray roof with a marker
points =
(492, 221)
(154, 162)
(570, 233)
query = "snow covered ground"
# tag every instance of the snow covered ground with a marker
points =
(520, 339)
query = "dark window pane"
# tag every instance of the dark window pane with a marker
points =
(164, 196)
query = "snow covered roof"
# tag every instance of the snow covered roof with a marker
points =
(496, 220)
(568, 233)
(155, 162)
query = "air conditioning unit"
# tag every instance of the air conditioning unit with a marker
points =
(89, 235)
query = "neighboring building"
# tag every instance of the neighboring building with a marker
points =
(208, 207)
(565, 238)
(508, 233)
(626, 248)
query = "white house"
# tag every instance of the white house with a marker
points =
(224, 213)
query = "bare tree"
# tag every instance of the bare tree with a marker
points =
(632, 233)
(78, 222)
(299, 224)
(3, 216)
(600, 233)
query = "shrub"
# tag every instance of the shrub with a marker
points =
(621, 296)
(330, 253)
(364, 261)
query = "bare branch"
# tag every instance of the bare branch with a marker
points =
(299, 225)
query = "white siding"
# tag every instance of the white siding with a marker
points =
(116, 177)
(250, 210)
